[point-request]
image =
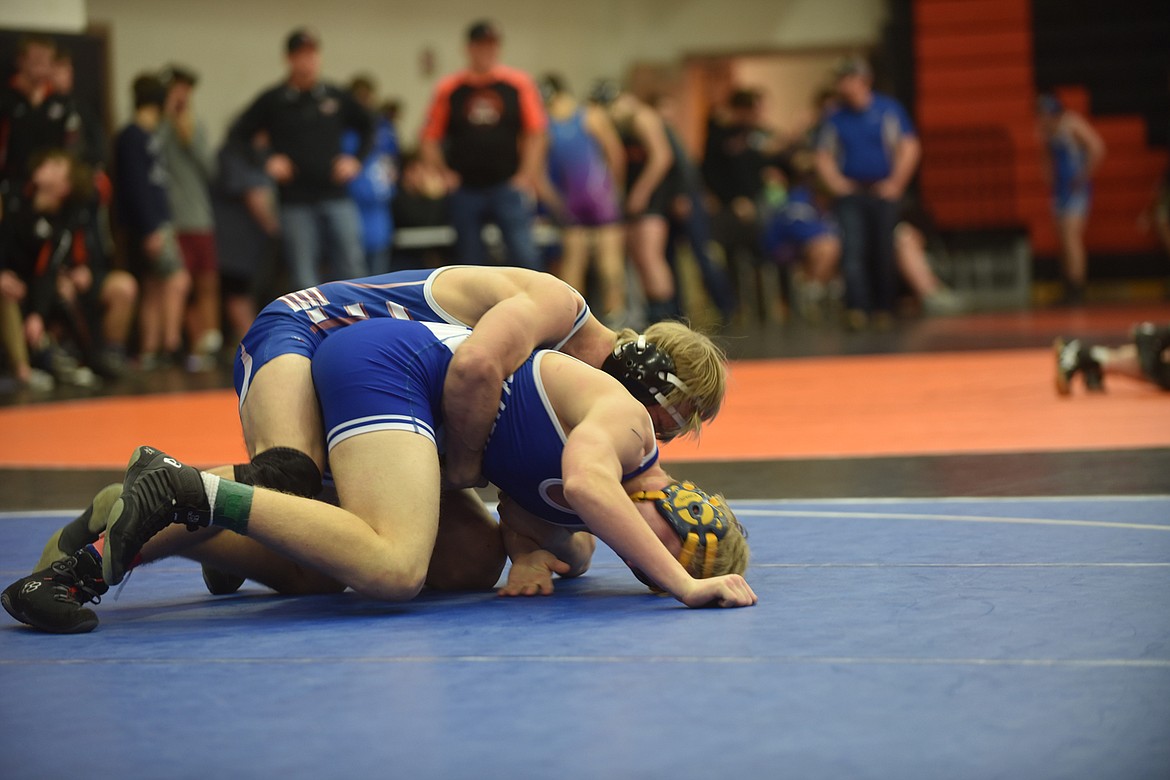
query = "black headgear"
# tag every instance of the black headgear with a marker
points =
(647, 373)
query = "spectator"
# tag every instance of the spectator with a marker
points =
(422, 201)
(373, 188)
(690, 219)
(1074, 152)
(867, 152)
(52, 249)
(247, 224)
(650, 189)
(587, 166)
(1146, 358)
(915, 237)
(12, 336)
(486, 131)
(737, 149)
(33, 117)
(798, 230)
(94, 150)
(145, 216)
(304, 118)
(187, 158)
(91, 145)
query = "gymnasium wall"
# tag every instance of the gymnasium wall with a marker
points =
(979, 65)
(237, 46)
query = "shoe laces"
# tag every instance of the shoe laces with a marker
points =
(71, 587)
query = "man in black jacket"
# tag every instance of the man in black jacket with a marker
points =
(304, 119)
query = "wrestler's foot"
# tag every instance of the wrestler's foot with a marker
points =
(83, 530)
(158, 491)
(221, 583)
(52, 598)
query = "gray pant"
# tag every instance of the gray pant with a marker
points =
(330, 225)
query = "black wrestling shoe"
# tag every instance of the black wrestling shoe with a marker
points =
(1094, 375)
(220, 583)
(158, 491)
(51, 599)
(83, 530)
(1072, 357)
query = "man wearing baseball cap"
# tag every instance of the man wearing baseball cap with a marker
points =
(486, 130)
(866, 153)
(304, 119)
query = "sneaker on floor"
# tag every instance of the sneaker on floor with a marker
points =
(1068, 362)
(856, 320)
(1074, 356)
(942, 303)
(221, 583)
(52, 599)
(39, 381)
(158, 491)
(1094, 375)
(82, 530)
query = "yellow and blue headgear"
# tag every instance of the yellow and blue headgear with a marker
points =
(700, 520)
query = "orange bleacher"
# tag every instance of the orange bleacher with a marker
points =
(982, 157)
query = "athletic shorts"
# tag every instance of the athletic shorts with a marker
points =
(282, 328)
(593, 207)
(1072, 201)
(198, 252)
(276, 331)
(168, 263)
(384, 375)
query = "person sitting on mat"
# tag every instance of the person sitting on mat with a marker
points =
(1146, 358)
(570, 447)
(512, 312)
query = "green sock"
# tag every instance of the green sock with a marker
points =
(231, 503)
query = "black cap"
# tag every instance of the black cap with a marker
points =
(852, 66)
(301, 38)
(483, 30)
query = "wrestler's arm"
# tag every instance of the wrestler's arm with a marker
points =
(592, 464)
(612, 433)
(538, 309)
(538, 549)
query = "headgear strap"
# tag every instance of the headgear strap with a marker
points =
(700, 520)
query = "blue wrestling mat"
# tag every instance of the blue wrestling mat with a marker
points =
(1022, 638)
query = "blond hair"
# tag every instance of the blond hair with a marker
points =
(698, 362)
(733, 553)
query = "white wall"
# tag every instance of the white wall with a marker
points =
(67, 16)
(237, 45)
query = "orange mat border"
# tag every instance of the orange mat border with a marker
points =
(918, 404)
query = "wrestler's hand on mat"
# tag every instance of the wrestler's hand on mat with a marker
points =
(730, 590)
(531, 574)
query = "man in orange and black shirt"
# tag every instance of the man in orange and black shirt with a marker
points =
(486, 130)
